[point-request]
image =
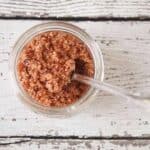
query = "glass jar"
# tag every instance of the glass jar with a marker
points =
(81, 34)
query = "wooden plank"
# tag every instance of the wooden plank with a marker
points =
(69, 144)
(78, 8)
(125, 46)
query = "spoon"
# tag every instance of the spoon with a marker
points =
(139, 96)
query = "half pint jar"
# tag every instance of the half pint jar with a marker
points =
(67, 28)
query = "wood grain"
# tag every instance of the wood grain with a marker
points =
(70, 144)
(78, 8)
(125, 46)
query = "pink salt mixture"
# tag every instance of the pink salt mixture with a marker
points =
(45, 66)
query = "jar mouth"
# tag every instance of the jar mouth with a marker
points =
(59, 26)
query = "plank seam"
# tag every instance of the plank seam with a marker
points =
(81, 138)
(142, 18)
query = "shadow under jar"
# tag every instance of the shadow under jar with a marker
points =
(42, 62)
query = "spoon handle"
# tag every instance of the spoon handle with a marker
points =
(112, 89)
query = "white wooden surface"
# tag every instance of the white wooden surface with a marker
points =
(110, 123)
(76, 8)
(125, 46)
(53, 144)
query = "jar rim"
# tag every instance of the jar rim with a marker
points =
(61, 26)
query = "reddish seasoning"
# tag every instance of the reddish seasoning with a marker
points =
(45, 66)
